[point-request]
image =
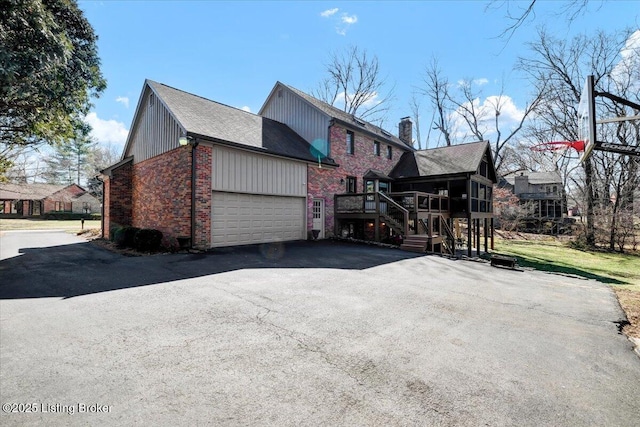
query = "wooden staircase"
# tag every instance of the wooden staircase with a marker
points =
(415, 243)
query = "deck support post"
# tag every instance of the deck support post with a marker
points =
(486, 235)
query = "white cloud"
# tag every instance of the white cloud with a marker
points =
(342, 22)
(345, 22)
(247, 109)
(481, 81)
(485, 112)
(123, 100)
(329, 12)
(628, 68)
(107, 131)
(349, 20)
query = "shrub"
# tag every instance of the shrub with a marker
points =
(70, 216)
(147, 240)
(124, 237)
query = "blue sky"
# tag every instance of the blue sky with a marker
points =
(234, 52)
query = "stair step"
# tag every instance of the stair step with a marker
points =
(411, 248)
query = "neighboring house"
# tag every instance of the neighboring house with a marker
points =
(32, 200)
(542, 198)
(241, 178)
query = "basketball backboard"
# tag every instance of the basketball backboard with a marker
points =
(587, 117)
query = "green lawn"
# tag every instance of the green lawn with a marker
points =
(39, 224)
(611, 268)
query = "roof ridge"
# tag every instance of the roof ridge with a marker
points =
(203, 98)
(339, 111)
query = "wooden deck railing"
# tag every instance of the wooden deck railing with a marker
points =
(416, 201)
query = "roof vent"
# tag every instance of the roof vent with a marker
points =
(358, 121)
(384, 132)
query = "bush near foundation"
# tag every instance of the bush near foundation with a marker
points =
(124, 237)
(147, 240)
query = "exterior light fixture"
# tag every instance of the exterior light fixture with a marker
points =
(341, 180)
(186, 140)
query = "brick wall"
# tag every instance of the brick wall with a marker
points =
(325, 182)
(161, 189)
(203, 197)
(117, 199)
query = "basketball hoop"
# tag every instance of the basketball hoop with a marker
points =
(559, 145)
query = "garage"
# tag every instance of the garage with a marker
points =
(242, 219)
(256, 198)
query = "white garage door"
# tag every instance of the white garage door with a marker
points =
(242, 219)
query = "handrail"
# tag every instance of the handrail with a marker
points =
(405, 212)
(450, 237)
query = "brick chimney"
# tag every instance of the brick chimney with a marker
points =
(405, 131)
(521, 184)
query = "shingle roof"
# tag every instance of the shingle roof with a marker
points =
(450, 160)
(201, 116)
(28, 191)
(347, 118)
(536, 177)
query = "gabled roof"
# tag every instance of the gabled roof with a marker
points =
(212, 120)
(34, 191)
(449, 160)
(345, 118)
(536, 178)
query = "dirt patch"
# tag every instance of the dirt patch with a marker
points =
(630, 302)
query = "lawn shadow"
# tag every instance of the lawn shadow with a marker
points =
(548, 266)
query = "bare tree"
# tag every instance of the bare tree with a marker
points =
(354, 83)
(436, 88)
(459, 115)
(517, 13)
(557, 68)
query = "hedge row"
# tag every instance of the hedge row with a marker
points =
(140, 239)
(70, 216)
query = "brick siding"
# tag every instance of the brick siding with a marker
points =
(325, 183)
(162, 195)
(117, 199)
(161, 188)
(203, 197)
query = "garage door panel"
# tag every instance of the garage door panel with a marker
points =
(239, 219)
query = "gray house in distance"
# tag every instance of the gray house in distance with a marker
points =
(543, 196)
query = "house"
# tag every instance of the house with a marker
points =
(33, 200)
(542, 198)
(357, 147)
(213, 175)
(440, 193)
(239, 178)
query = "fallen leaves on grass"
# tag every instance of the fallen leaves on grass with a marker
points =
(630, 302)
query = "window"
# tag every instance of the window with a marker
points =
(389, 152)
(376, 148)
(350, 143)
(555, 189)
(351, 184)
(59, 206)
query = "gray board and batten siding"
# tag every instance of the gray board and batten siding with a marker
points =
(241, 171)
(155, 130)
(287, 107)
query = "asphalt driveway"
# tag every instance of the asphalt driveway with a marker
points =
(311, 333)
